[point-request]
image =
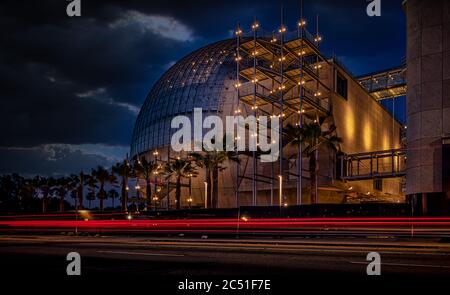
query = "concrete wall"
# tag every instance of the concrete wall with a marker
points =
(428, 94)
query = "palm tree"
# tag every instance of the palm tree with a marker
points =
(144, 168)
(124, 170)
(63, 185)
(212, 161)
(311, 136)
(90, 197)
(102, 176)
(29, 191)
(77, 184)
(91, 183)
(113, 194)
(74, 195)
(45, 186)
(179, 168)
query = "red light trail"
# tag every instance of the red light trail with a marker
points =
(225, 225)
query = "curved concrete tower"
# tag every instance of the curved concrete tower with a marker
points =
(428, 104)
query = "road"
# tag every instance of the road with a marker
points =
(164, 262)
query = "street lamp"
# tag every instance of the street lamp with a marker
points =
(189, 201)
(155, 199)
(206, 195)
(137, 187)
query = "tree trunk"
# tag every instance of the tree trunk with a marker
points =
(80, 191)
(44, 203)
(178, 192)
(209, 188)
(215, 188)
(312, 177)
(61, 203)
(124, 196)
(102, 196)
(148, 194)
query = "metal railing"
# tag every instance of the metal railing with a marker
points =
(371, 165)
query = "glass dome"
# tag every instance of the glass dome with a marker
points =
(199, 80)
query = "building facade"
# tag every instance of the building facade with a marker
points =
(207, 79)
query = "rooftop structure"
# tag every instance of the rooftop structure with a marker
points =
(283, 73)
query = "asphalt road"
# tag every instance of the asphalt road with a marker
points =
(164, 262)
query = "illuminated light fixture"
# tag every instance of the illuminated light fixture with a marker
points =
(280, 177)
(282, 58)
(238, 32)
(282, 29)
(273, 40)
(254, 80)
(317, 39)
(302, 23)
(350, 188)
(137, 186)
(244, 218)
(254, 108)
(301, 52)
(129, 217)
(155, 153)
(255, 26)
(302, 83)
(285, 204)
(238, 58)
(254, 53)
(237, 85)
(127, 188)
(406, 127)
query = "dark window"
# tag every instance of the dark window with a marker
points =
(446, 166)
(341, 85)
(378, 184)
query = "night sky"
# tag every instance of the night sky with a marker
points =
(71, 88)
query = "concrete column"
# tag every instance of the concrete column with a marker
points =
(428, 94)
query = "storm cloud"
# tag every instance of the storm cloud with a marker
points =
(71, 82)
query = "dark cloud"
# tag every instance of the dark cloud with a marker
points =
(80, 80)
(57, 159)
